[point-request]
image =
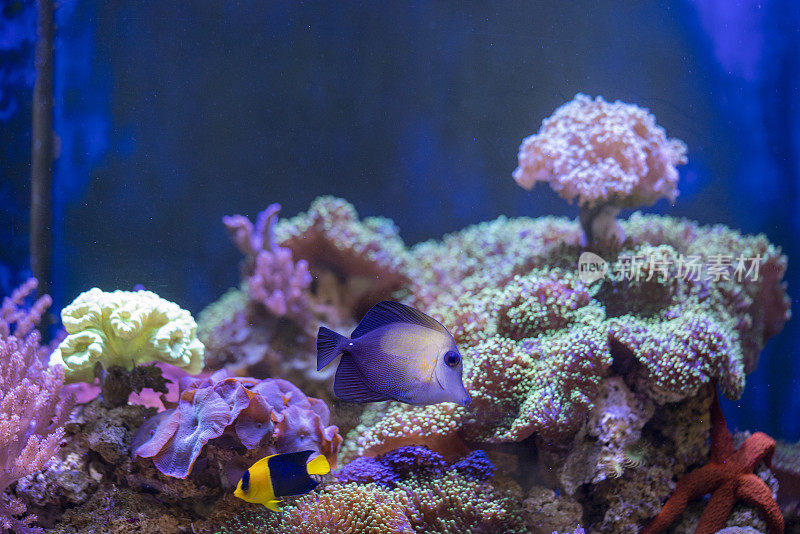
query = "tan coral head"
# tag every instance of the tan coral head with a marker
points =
(602, 153)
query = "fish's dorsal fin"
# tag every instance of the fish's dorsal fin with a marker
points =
(262, 464)
(388, 312)
(349, 385)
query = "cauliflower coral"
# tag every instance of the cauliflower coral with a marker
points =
(125, 328)
(608, 156)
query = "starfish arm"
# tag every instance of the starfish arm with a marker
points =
(690, 487)
(755, 491)
(756, 449)
(718, 509)
(721, 438)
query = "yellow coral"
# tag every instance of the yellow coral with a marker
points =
(125, 328)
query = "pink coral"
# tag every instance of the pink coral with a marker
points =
(274, 280)
(599, 152)
(32, 409)
(271, 415)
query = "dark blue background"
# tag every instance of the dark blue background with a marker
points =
(171, 114)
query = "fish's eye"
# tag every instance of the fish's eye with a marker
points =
(452, 358)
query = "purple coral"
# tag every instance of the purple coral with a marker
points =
(406, 460)
(365, 470)
(274, 279)
(476, 465)
(32, 409)
(399, 464)
(270, 414)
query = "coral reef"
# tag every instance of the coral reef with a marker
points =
(268, 416)
(425, 498)
(668, 337)
(605, 431)
(590, 396)
(32, 409)
(103, 489)
(268, 328)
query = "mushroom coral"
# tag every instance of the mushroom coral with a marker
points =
(125, 328)
(607, 155)
(271, 415)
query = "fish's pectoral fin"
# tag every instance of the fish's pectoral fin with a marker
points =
(388, 312)
(274, 505)
(349, 385)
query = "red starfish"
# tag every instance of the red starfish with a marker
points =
(728, 477)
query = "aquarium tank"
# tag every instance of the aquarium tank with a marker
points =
(399, 267)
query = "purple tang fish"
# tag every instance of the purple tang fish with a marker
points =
(395, 352)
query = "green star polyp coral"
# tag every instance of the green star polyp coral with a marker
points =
(125, 329)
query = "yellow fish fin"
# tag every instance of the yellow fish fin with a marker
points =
(318, 466)
(273, 505)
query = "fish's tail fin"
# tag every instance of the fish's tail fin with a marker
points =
(329, 345)
(318, 466)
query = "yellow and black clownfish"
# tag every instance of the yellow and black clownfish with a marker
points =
(280, 475)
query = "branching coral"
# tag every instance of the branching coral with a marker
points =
(274, 279)
(608, 156)
(32, 408)
(269, 415)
